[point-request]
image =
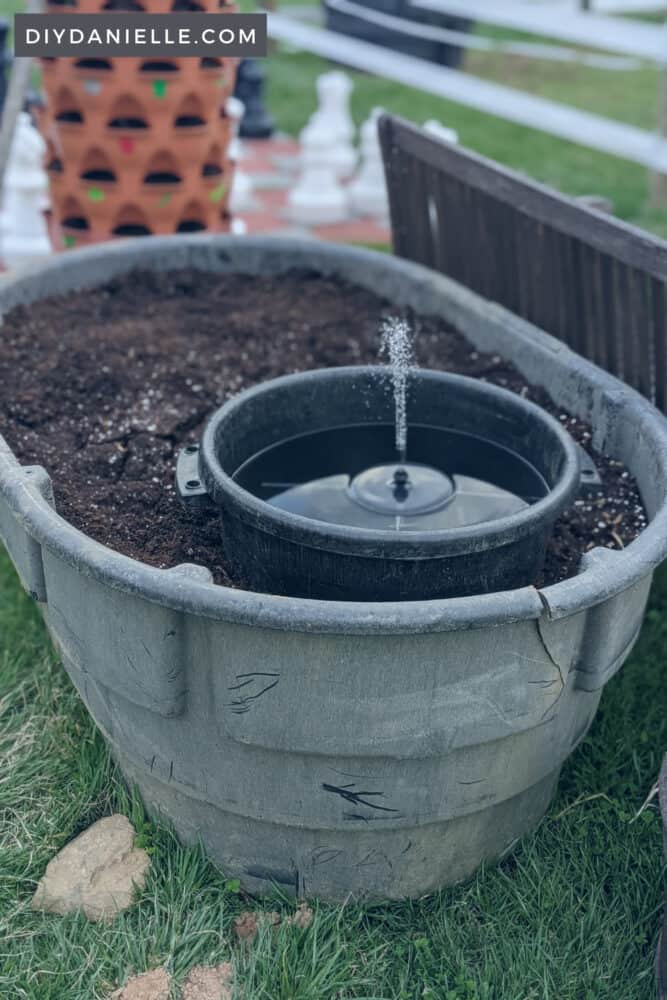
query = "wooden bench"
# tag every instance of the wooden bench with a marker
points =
(588, 279)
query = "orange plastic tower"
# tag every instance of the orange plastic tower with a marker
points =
(137, 146)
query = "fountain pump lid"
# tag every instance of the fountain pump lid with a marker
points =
(398, 497)
(401, 490)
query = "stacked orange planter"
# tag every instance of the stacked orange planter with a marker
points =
(137, 146)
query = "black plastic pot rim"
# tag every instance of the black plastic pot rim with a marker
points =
(91, 266)
(347, 539)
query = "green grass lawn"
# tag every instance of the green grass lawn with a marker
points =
(574, 913)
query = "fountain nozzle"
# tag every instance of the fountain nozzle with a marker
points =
(401, 484)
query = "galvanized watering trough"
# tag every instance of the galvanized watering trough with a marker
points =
(340, 747)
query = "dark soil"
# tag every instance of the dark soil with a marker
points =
(104, 387)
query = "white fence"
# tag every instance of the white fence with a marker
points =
(596, 31)
(582, 127)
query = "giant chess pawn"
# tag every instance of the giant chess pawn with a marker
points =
(333, 115)
(23, 227)
(234, 110)
(240, 195)
(440, 131)
(318, 198)
(368, 190)
(256, 123)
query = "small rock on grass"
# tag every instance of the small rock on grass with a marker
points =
(208, 983)
(153, 985)
(96, 872)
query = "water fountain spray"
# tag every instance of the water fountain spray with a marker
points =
(396, 347)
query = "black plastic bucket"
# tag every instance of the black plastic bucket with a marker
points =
(321, 425)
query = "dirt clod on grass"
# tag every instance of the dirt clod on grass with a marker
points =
(203, 982)
(247, 923)
(207, 982)
(97, 873)
(103, 388)
(302, 917)
(153, 985)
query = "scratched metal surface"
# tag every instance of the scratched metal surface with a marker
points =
(330, 747)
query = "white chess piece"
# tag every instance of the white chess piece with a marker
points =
(368, 190)
(318, 197)
(441, 131)
(25, 236)
(235, 109)
(333, 116)
(240, 196)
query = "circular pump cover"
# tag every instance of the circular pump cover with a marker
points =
(403, 497)
(317, 503)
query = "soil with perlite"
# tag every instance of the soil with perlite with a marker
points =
(103, 388)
